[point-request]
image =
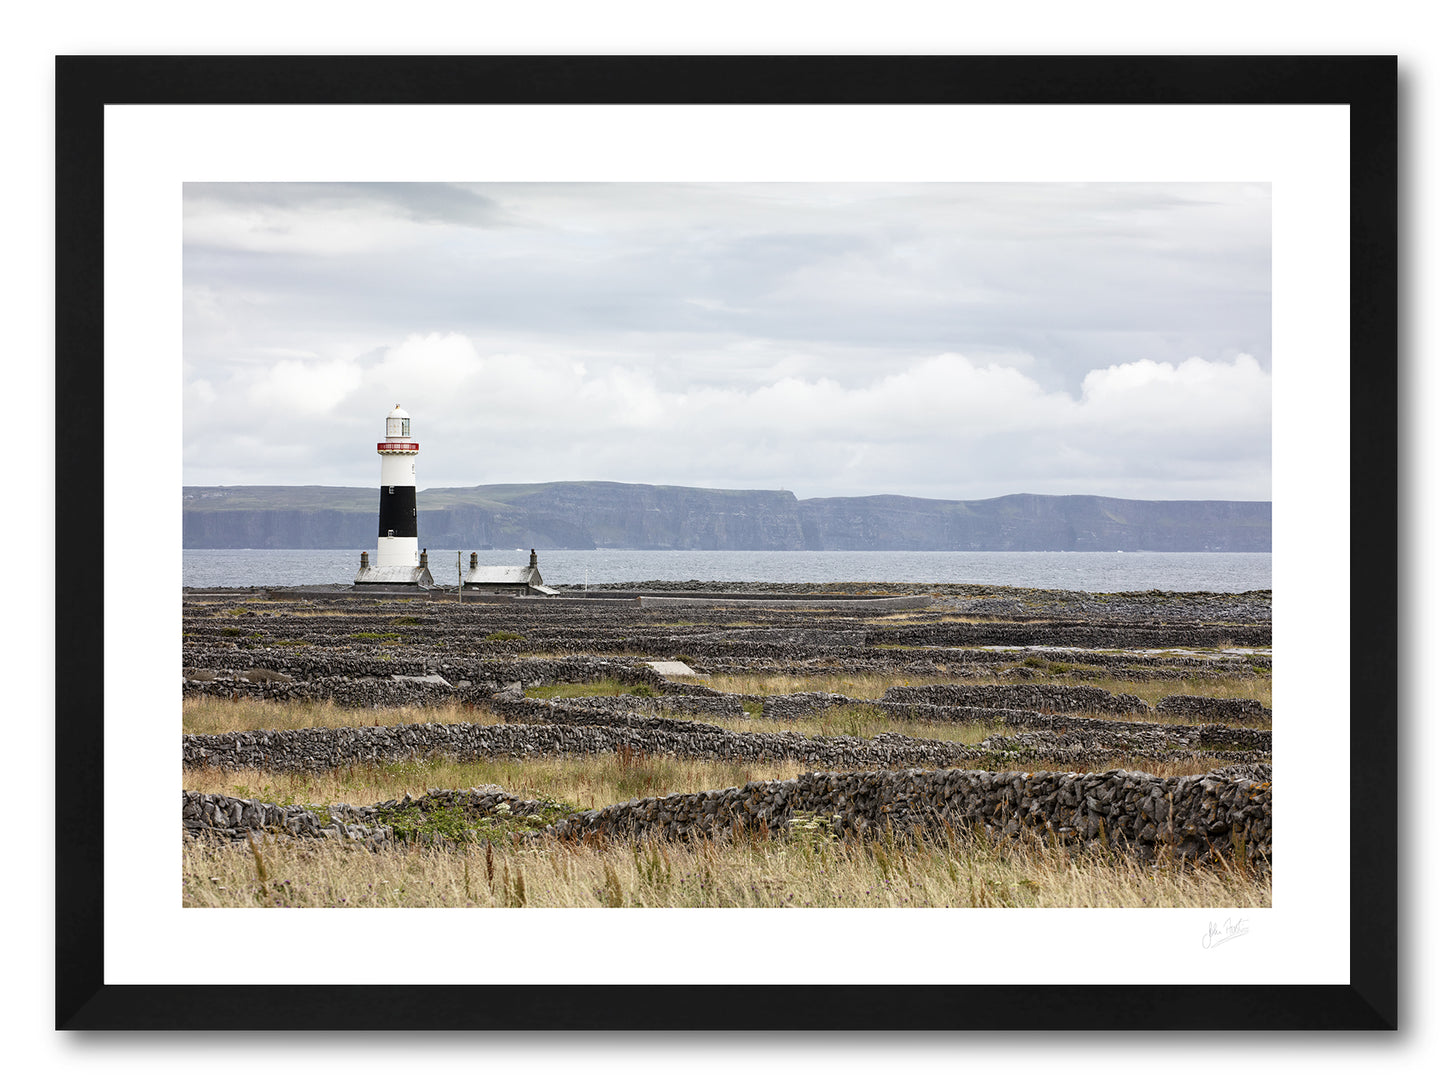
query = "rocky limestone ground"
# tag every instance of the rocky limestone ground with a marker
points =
(927, 626)
(1002, 644)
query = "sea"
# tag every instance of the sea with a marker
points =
(1071, 570)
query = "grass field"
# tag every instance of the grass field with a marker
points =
(803, 867)
(215, 715)
(803, 870)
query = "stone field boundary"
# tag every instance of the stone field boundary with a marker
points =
(1224, 815)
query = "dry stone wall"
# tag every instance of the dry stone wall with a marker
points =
(981, 663)
(1098, 634)
(1223, 815)
(1018, 704)
(228, 818)
(320, 750)
(1215, 708)
(1081, 700)
(233, 819)
(1108, 660)
(297, 669)
(554, 729)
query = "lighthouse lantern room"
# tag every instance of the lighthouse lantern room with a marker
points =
(398, 563)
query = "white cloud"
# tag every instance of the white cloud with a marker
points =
(1193, 404)
(293, 386)
(939, 340)
(436, 361)
(1149, 385)
(940, 426)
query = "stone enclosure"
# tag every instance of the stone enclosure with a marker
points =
(1021, 661)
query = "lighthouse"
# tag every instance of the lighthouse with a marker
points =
(398, 563)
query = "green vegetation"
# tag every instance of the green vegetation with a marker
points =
(459, 824)
(502, 635)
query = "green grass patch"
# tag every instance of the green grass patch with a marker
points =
(502, 635)
(460, 824)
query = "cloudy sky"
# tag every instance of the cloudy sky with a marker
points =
(937, 340)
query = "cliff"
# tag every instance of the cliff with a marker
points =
(588, 515)
(1034, 522)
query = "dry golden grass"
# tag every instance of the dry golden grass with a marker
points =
(588, 783)
(584, 783)
(806, 870)
(216, 715)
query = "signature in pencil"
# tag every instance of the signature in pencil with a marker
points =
(1217, 935)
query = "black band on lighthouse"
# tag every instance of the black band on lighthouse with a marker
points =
(398, 512)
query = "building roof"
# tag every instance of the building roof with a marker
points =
(503, 574)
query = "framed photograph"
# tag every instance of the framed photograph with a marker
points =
(1308, 143)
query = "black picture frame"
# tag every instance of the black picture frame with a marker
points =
(1366, 84)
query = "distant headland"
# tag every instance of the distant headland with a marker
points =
(614, 515)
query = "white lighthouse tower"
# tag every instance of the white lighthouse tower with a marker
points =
(398, 563)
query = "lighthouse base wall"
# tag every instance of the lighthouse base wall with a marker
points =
(397, 551)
